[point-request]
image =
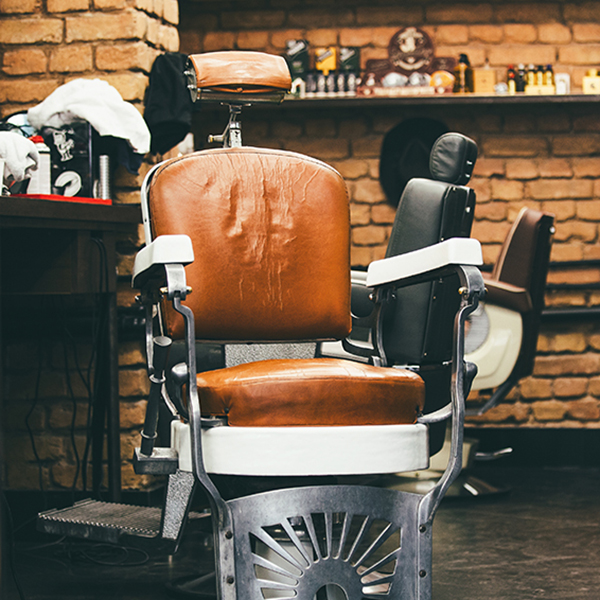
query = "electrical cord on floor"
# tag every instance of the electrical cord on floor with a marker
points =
(32, 552)
(115, 556)
(68, 552)
(36, 397)
(98, 318)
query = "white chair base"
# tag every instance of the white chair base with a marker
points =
(306, 451)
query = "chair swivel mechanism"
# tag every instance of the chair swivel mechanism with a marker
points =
(248, 244)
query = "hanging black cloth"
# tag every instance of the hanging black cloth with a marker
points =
(405, 154)
(168, 106)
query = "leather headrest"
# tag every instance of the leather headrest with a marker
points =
(452, 158)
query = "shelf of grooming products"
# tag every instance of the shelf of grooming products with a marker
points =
(412, 69)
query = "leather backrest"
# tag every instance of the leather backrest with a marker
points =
(515, 263)
(523, 262)
(418, 329)
(271, 237)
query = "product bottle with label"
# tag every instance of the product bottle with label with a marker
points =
(463, 75)
(531, 75)
(40, 179)
(539, 75)
(511, 80)
(521, 78)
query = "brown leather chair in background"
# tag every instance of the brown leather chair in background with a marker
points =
(503, 333)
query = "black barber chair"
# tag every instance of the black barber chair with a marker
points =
(265, 236)
(502, 334)
(414, 334)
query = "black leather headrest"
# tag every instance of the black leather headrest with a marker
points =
(452, 158)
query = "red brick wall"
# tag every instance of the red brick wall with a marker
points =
(547, 157)
(45, 45)
(42, 46)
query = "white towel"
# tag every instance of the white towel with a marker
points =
(98, 103)
(20, 155)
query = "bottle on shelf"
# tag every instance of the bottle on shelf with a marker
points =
(549, 76)
(511, 80)
(463, 75)
(40, 181)
(539, 75)
(521, 78)
(531, 74)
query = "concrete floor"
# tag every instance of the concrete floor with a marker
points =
(540, 540)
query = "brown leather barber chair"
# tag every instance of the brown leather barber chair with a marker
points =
(249, 245)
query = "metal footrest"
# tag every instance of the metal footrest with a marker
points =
(101, 521)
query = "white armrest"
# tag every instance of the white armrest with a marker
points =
(164, 250)
(358, 277)
(455, 251)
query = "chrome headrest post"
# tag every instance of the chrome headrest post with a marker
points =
(232, 135)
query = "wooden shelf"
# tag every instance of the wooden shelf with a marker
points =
(67, 215)
(438, 100)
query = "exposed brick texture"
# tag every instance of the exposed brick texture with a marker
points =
(545, 157)
(122, 57)
(31, 31)
(18, 6)
(42, 46)
(72, 58)
(59, 6)
(25, 61)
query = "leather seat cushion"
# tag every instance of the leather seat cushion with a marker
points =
(311, 392)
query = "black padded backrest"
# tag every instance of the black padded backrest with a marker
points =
(418, 329)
